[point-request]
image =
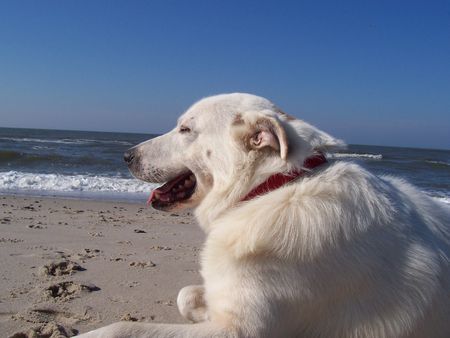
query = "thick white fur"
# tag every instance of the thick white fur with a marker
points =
(339, 253)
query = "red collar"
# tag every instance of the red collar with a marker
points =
(277, 180)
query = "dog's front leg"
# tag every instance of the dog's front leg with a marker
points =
(191, 303)
(150, 330)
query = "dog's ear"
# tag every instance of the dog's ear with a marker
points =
(268, 132)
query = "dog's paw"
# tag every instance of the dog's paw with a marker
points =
(191, 303)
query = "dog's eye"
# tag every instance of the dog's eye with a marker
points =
(184, 129)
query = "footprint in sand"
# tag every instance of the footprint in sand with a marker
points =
(86, 254)
(142, 264)
(49, 314)
(10, 240)
(47, 330)
(36, 226)
(60, 268)
(49, 322)
(128, 318)
(65, 291)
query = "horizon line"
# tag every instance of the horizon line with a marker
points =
(158, 134)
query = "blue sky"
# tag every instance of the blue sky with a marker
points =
(370, 72)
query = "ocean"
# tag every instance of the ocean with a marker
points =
(85, 164)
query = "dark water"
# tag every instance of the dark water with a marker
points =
(89, 164)
(428, 169)
(68, 163)
(65, 152)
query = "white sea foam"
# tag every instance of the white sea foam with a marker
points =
(40, 147)
(15, 181)
(79, 185)
(352, 155)
(445, 200)
(64, 141)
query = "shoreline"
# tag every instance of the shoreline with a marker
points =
(108, 196)
(128, 198)
(89, 196)
(77, 264)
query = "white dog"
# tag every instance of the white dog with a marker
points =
(296, 247)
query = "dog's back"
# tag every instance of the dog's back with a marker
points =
(355, 256)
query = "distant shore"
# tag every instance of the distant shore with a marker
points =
(73, 265)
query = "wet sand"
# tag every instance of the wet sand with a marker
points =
(70, 266)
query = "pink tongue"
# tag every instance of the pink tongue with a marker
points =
(162, 189)
(150, 199)
(166, 187)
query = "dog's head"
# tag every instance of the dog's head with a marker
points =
(222, 147)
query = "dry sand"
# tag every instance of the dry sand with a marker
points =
(70, 266)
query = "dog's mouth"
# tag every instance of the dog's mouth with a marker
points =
(177, 190)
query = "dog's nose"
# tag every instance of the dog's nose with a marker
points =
(128, 156)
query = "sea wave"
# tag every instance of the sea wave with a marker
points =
(65, 141)
(31, 159)
(40, 147)
(354, 155)
(439, 163)
(33, 183)
(10, 155)
(16, 181)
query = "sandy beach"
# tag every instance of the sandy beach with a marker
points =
(69, 265)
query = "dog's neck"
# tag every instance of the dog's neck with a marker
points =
(278, 180)
(219, 201)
